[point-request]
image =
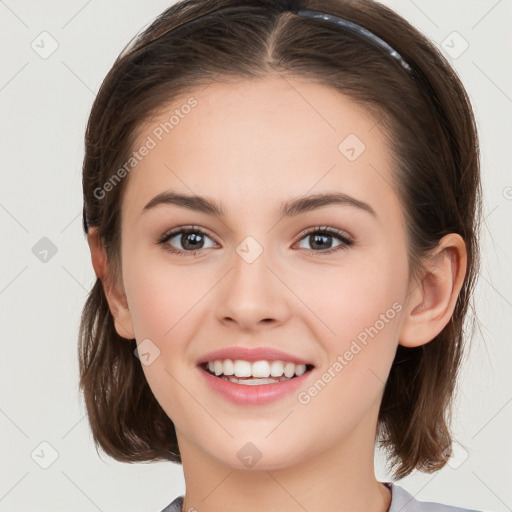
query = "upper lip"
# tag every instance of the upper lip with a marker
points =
(251, 354)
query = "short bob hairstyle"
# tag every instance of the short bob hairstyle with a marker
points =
(428, 122)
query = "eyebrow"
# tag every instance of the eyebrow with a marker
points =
(290, 208)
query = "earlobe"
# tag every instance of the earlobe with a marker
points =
(116, 297)
(430, 304)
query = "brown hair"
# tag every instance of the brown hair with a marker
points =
(428, 122)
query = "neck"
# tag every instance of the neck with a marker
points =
(340, 478)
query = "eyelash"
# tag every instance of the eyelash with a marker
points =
(342, 236)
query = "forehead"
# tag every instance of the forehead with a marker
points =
(249, 142)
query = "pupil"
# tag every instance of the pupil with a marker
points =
(318, 241)
(192, 238)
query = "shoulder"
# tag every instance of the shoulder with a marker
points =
(175, 506)
(403, 501)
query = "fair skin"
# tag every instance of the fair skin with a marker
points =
(251, 146)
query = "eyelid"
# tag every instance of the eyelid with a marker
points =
(174, 231)
(328, 229)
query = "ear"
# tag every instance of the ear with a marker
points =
(114, 293)
(431, 302)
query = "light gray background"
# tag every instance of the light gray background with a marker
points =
(44, 106)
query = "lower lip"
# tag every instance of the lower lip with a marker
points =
(243, 394)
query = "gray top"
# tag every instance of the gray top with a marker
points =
(401, 501)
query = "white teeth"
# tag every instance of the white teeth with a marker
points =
(217, 367)
(229, 367)
(242, 368)
(300, 369)
(289, 369)
(276, 369)
(261, 370)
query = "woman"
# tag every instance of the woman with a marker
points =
(282, 203)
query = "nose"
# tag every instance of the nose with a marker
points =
(252, 295)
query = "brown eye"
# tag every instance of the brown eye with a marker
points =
(320, 240)
(185, 241)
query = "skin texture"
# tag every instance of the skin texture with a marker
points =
(252, 145)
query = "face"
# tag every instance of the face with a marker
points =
(257, 276)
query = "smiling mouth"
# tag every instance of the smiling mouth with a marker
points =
(257, 380)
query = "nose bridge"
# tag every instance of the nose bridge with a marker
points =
(251, 292)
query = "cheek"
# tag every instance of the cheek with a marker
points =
(164, 306)
(352, 297)
(166, 303)
(157, 292)
(360, 310)
(156, 303)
